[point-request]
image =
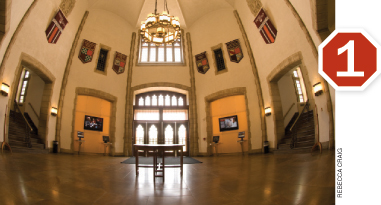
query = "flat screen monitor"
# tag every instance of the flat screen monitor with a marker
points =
(80, 135)
(228, 123)
(216, 139)
(241, 135)
(93, 123)
(106, 139)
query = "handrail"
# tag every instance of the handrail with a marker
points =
(17, 106)
(34, 111)
(299, 115)
(289, 109)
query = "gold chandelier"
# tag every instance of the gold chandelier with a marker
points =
(160, 28)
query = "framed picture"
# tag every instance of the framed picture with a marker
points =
(228, 123)
(216, 139)
(106, 139)
(93, 123)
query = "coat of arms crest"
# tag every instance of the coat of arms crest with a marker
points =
(55, 28)
(265, 26)
(235, 51)
(87, 51)
(119, 63)
(202, 63)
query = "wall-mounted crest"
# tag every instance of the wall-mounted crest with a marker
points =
(234, 50)
(265, 26)
(202, 63)
(55, 28)
(87, 51)
(119, 63)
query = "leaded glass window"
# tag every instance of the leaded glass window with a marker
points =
(166, 53)
(219, 59)
(102, 60)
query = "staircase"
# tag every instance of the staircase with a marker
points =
(305, 136)
(16, 136)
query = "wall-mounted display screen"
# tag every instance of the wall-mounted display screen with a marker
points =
(228, 123)
(93, 123)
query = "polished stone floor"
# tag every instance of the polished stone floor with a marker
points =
(251, 179)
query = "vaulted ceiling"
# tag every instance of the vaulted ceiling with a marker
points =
(135, 11)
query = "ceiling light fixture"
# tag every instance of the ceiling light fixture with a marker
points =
(160, 28)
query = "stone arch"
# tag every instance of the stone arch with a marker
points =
(219, 95)
(193, 139)
(49, 79)
(276, 104)
(102, 95)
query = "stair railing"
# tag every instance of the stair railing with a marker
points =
(28, 128)
(34, 111)
(288, 111)
(294, 134)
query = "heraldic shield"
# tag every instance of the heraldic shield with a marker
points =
(119, 63)
(55, 28)
(266, 27)
(202, 63)
(235, 51)
(87, 51)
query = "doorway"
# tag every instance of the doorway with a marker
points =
(161, 117)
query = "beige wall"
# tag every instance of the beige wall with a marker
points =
(288, 97)
(95, 107)
(290, 40)
(101, 27)
(31, 39)
(206, 33)
(225, 107)
(34, 97)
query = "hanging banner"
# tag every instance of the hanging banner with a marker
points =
(266, 27)
(55, 28)
(202, 63)
(235, 51)
(119, 63)
(87, 51)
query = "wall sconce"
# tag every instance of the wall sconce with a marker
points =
(53, 111)
(4, 89)
(268, 111)
(318, 89)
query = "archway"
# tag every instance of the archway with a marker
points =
(27, 61)
(273, 78)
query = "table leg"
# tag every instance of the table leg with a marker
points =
(181, 162)
(79, 147)
(137, 161)
(162, 151)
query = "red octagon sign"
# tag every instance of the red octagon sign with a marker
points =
(348, 60)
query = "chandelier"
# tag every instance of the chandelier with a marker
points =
(160, 28)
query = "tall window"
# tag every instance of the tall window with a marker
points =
(299, 85)
(102, 60)
(168, 135)
(139, 135)
(165, 53)
(152, 135)
(183, 137)
(24, 86)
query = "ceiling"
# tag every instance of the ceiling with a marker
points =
(135, 11)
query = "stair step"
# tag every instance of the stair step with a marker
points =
(298, 150)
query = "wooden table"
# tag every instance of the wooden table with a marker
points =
(158, 149)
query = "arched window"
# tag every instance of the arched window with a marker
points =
(141, 101)
(139, 135)
(181, 101)
(154, 100)
(152, 135)
(174, 101)
(168, 135)
(167, 100)
(161, 100)
(183, 137)
(148, 101)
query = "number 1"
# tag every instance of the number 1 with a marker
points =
(350, 47)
